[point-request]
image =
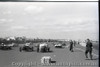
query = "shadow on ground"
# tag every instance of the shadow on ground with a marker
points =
(93, 59)
(53, 61)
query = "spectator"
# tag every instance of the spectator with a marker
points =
(71, 46)
(89, 47)
(37, 47)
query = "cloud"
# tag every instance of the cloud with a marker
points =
(10, 20)
(50, 18)
(33, 9)
(6, 20)
(7, 12)
(18, 28)
(3, 20)
(76, 25)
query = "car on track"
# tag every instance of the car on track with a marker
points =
(44, 47)
(58, 45)
(26, 47)
(6, 46)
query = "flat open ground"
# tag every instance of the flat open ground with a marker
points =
(62, 57)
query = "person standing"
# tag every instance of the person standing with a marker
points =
(89, 48)
(38, 47)
(71, 46)
(78, 42)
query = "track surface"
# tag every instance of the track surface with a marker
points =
(61, 56)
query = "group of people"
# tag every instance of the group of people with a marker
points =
(89, 47)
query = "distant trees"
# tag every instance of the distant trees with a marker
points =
(20, 40)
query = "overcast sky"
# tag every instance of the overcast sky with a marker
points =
(63, 20)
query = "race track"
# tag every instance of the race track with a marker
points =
(62, 57)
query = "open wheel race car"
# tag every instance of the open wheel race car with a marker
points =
(58, 45)
(5, 46)
(44, 47)
(26, 47)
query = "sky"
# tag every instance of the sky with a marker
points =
(56, 20)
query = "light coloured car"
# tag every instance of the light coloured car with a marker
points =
(44, 47)
(58, 45)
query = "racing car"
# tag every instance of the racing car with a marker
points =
(58, 45)
(26, 47)
(6, 46)
(44, 47)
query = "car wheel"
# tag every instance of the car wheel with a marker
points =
(48, 49)
(20, 49)
(32, 48)
(10, 48)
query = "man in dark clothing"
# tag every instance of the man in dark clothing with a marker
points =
(37, 47)
(89, 47)
(71, 46)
